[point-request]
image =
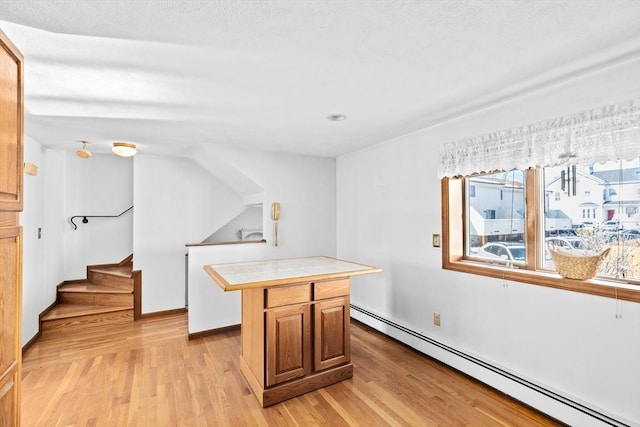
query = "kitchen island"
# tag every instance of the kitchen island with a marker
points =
(295, 322)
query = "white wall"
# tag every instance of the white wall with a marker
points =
(176, 202)
(388, 206)
(250, 219)
(43, 260)
(209, 306)
(100, 185)
(305, 188)
(66, 186)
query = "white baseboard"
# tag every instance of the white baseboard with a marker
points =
(563, 408)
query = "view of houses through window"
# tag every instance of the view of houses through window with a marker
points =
(583, 208)
(496, 216)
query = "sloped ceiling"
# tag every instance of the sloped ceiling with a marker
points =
(170, 75)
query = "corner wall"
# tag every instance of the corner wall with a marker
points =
(99, 186)
(388, 206)
(177, 202)
(43, 260)
(66, 186)
(305, 188)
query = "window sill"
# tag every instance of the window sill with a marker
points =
(603, 288)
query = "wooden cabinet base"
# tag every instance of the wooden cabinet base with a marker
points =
(293, 388)
(295, 322)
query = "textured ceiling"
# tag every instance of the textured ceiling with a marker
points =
(266, 74)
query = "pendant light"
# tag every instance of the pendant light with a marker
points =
(83, 153)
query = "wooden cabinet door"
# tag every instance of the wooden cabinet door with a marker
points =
(332, 345)
(11, 126)
(11, 117)
(10, 351)
(288, 343)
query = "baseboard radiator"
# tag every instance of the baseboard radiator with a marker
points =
(595, 414)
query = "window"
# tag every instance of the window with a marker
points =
(601, 231)
(511, 232)
(498, 223)
(496, 216)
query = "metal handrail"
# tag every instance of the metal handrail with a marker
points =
(85, 220)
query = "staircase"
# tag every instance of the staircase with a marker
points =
(106, 296)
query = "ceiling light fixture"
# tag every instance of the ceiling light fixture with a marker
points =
(83, 153)
(336, 117)
(124, 149)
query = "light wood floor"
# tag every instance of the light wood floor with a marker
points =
(148, 374)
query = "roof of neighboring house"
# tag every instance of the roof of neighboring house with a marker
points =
(623, 202)
(617, 175)
(581, 174)
(556, 214)
(497, 181)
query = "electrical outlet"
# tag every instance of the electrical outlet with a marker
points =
(436, 319)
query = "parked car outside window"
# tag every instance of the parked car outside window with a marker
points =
(611, 225)
(624, 236)
(566, 243)
(509, 251)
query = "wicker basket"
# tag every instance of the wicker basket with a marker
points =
(576, 266)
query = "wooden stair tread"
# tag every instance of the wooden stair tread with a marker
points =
(121, 271)
(89, 287)
(105, 296)
(64, 311)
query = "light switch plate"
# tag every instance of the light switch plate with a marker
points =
(436, 240)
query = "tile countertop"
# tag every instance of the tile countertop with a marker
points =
(278, 272)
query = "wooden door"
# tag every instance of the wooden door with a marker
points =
(288, 343)
(11, 165)
(332, 343)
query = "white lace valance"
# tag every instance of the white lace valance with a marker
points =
(600, 135)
